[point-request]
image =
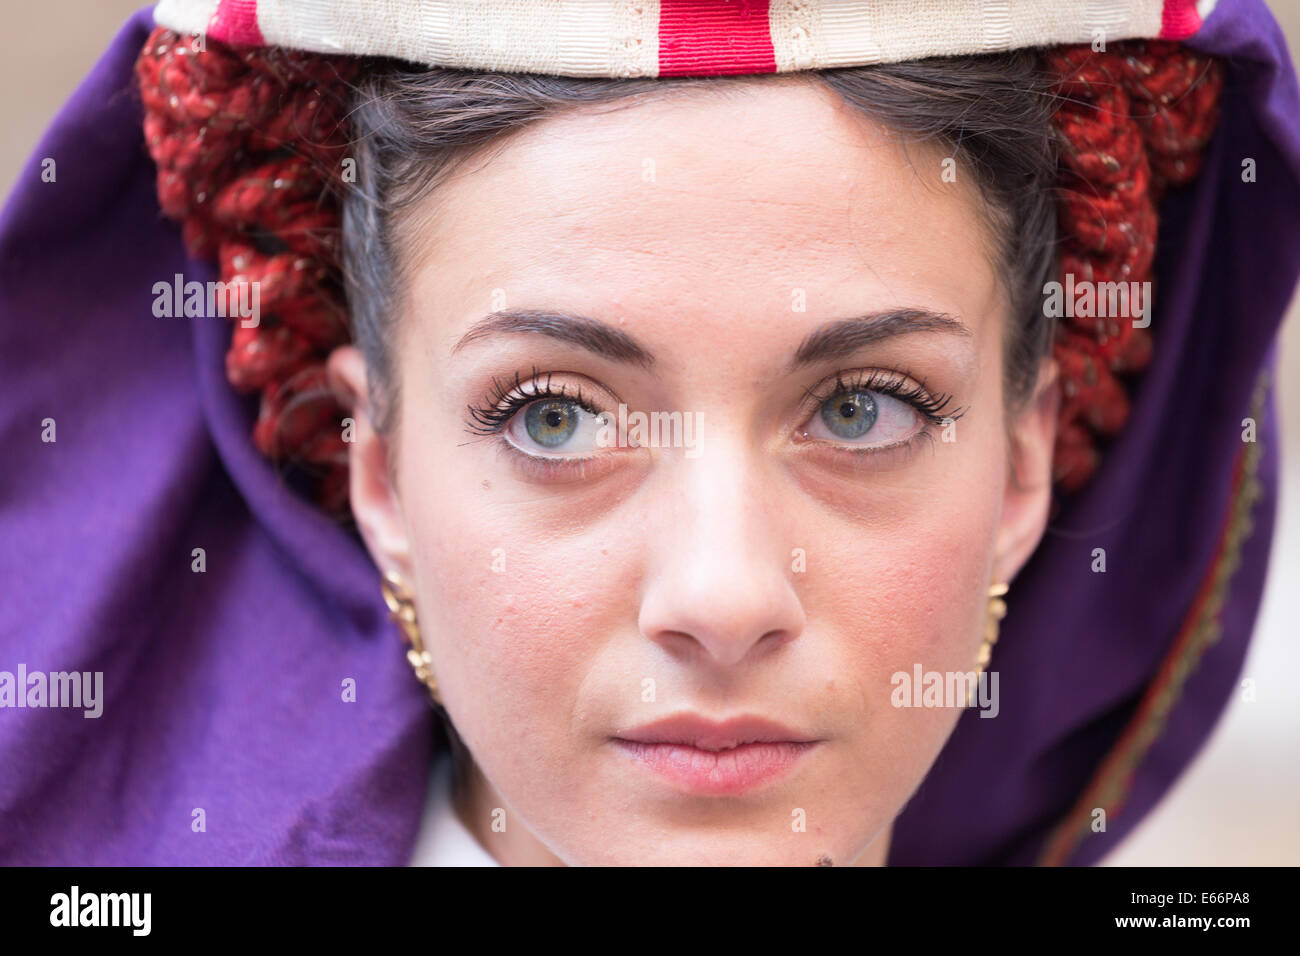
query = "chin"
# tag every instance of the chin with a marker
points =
(697, 847)
(769, 840)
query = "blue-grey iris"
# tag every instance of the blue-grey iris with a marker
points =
(849, 414)
(551, 423)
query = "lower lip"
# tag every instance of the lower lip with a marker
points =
(722, 773)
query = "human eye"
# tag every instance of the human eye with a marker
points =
(874, 410)
(550, 429)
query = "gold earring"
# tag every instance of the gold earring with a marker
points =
(401, 610)
(997, 611)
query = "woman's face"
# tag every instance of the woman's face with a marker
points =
(760, 572)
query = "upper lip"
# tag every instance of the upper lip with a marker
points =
(705, 734)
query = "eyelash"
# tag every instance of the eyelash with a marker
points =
(896, 383)
(506, 399)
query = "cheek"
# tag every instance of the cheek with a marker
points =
(907, 578)
(908, 592)
(513, 618)
(905, 590)
(930, 580)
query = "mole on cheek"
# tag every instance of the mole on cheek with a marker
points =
(824, 860)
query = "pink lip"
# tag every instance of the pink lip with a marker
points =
(718, 758)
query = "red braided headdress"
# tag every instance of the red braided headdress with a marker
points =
(248, 146)
(1130, 122)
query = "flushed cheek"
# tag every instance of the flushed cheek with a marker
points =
(932, 594)
(905, 592)
(520, 622)
(920, 610)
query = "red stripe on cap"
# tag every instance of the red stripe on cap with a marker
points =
(1179, 19)
(235, 22)
(714, 37)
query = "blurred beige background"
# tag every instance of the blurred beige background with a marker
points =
(1240, 802)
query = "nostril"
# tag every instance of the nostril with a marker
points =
(775, 638)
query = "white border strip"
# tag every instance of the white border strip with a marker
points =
(185, 16)
(620, 38)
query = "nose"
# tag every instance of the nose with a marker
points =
(719, 581)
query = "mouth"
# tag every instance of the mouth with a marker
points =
(716, 758)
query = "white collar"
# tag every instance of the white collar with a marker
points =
(443, 840)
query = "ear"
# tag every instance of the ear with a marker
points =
(375, 503)
(1027, 498)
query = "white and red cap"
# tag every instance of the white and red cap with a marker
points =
(625, 38)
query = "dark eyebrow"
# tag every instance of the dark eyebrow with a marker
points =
(841, 336)
(844, 336)
(586, 333)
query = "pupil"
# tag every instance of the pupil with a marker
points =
(850, 417)
(550, 423)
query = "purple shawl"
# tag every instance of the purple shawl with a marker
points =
(221, 689)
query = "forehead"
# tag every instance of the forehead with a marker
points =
(712, 205)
